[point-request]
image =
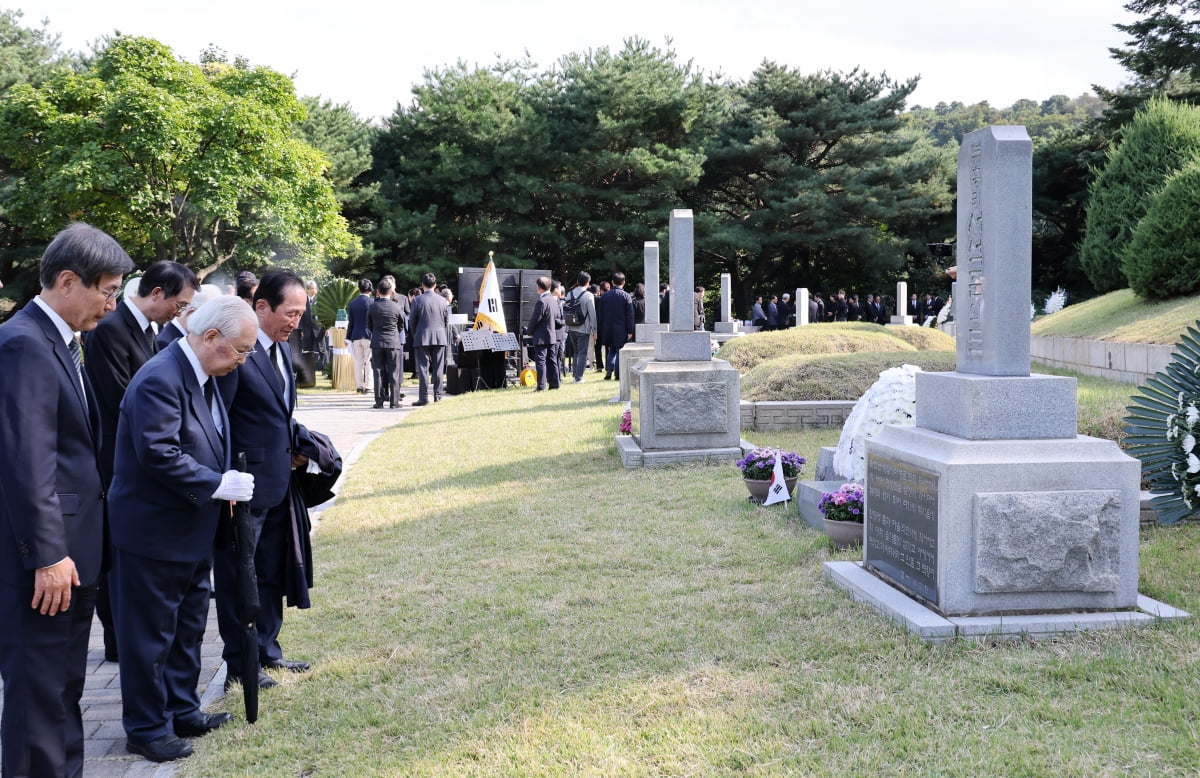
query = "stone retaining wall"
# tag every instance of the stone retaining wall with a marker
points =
(767, 416)
(1130, 363)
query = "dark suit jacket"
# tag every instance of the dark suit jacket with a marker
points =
(112, 353)
(614, 317)
(386, 320)
(169, 461)
(168, 335)
(429, 319)
(261, 424)
(542, 328)
(52, 497)
(356, 313)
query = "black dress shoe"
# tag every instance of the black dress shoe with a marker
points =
(200, 724)
(421, 402)
(294, 666)
(380, 405)
(162, 749)
(264, 681)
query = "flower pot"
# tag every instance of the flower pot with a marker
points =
(758, 488)
(844, 534)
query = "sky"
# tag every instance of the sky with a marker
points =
(369, 53)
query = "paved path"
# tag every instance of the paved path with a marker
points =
(350, 421)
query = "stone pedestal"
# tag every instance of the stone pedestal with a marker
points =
(981, 407)
(627, 357)
(682, 346)
(686, 406)
(989, 527)
(644, 333)
(726, 327)
(901, 321)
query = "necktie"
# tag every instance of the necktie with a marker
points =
(209, 394)
(275, 366)
(77, 358)
(150, 344)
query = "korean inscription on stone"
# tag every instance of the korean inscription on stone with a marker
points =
(901, 527)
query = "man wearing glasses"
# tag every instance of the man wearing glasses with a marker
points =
(52, 513)
(112, 353)
(172, 467)
(260, 396)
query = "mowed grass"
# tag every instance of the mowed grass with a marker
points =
(1123, 317)
(497, 596)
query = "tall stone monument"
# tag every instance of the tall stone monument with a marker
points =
(685, 405)
(642, 346)
(992, 513)
(726, 328)
(801, 306)
(901, 318)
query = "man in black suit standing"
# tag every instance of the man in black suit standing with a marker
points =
(543, 334)
(614, 317)
(386, 320)
(428, 322)
(260, 396)
(112, 353)
(52, 514)
(172, 466)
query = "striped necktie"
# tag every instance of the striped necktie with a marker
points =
(77, 358)
(150, 342)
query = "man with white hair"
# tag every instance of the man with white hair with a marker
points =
(171, 471)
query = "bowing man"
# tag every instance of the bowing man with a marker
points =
(52, 519)
(172, 466)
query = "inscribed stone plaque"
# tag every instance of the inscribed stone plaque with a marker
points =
(1066, 541)
(902, 525)
(995, 234)
(686, 408)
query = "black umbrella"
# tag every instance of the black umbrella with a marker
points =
(247, 599)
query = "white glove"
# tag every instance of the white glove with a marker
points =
(236, 486)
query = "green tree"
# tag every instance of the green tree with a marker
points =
(176, 161)
(809, 177)
(1160, 139)
(1162, 54)
(1163, 256)
(345, 140)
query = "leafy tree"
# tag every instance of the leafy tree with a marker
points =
(176, 161)
(1160, 140)
(1163, 256)
(807, 178)
(1163, 55)
(345, 140)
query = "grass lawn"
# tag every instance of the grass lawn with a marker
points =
(1123, 317)
(497, 596)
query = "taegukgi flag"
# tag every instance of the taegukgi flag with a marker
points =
(778, 491)
(491, 311)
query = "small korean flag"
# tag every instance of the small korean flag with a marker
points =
(778, 492)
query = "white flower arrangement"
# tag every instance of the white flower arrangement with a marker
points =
(944, 315)
(1056, 301)
(890, 400)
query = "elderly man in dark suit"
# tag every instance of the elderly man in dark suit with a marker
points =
(428, 323)
(113, 352)
(543, 334)
(614, 317)
(260, 396)
(52, 513)
(172, 466)
(386, 319)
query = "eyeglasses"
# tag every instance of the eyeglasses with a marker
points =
(109, 294)
(180, 307)
(241, 354)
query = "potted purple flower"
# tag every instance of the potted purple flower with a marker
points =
(758, 466)
(843, 512)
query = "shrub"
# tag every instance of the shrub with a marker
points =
(1163, 257)
(1160, 140)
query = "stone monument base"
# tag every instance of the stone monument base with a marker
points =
(991, 527)
(726, 327)
(932, 627)
(627, 357)
(644, 333)
(686, 406)
(901, 321)
(634, 458)
(983, 407)
(683, 346)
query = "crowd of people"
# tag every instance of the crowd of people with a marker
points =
(120, 489)
(779, 312)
